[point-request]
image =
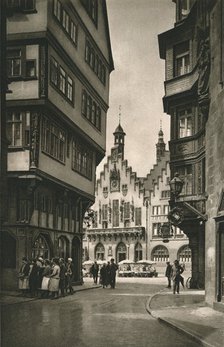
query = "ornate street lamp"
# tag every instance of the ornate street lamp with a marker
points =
(176, 185)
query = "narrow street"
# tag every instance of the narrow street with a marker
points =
(92, 318)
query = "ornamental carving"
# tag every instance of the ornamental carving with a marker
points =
(35, 135)
(43, 73)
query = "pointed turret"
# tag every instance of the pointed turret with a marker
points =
(160, 146)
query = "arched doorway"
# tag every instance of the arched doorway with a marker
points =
(41, 247)
(63, 251)
(138, 252)
(8, 261)
(121, 252)
(77, 258)
(160, 254)
(184, 254)
(99, 252)
(8, 251)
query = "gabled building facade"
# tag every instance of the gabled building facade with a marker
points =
(59, 62)
(119, 229)
(129, 212)
(157, 196)
(193, 53)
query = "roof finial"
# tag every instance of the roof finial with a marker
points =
(119, 114)
(160, 124)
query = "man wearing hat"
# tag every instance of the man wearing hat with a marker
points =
(70, 275)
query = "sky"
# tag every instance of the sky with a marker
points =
(137, 83)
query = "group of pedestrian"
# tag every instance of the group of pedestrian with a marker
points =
(107, 273)
(174, 273)
(46, 278)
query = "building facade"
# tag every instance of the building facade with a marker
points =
(129, 211)
(193, 53)
(157, 195)
(59, 62)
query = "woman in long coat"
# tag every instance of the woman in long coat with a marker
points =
(24, 276)
(54, 279)
(46, 278)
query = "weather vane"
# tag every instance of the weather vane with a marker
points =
(119, 114)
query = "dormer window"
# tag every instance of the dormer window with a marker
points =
(181, 59)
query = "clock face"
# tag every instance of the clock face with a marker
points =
(114, 184)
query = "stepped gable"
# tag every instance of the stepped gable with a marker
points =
(156, 172)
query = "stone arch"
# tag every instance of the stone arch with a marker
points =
(42, 246)
(160, 254)
(8, 250)
(184, 254)
(99, 251)
(121, 252)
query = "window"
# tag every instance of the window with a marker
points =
(64, 19)
(31, 68)
(62, 247)
(181, 59)
(121, 252)
(18, 128)
(57, 9)
(90, 110)
(22, 5)
(18, 66)
(138, 252)
(82, 159)
(184, 254)
(104, 212)
(156, 229)
(156, 210)
(166, 209)
(115, 213)
(96, 64)
(126, 210)
(187, 176)
(160, 254)
(91, 9)
(165, 194)
(61, 80)
(41, 248)
(138, 216)
(24, 209)
(14, 63)
(99, 252)
(185, 123)
(53, 140)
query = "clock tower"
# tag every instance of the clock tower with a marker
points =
(118, 148)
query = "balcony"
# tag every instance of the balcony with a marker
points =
(188, 147)
(133, 232)
(181, 83)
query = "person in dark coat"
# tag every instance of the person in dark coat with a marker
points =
(63, 271)
(103, 275)
(94, 271)
(70, 276)
(176, 272)
(168, 273)
(113, 269)
(107, 273)
(34, 278)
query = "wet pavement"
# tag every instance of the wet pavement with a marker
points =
(91, 318)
